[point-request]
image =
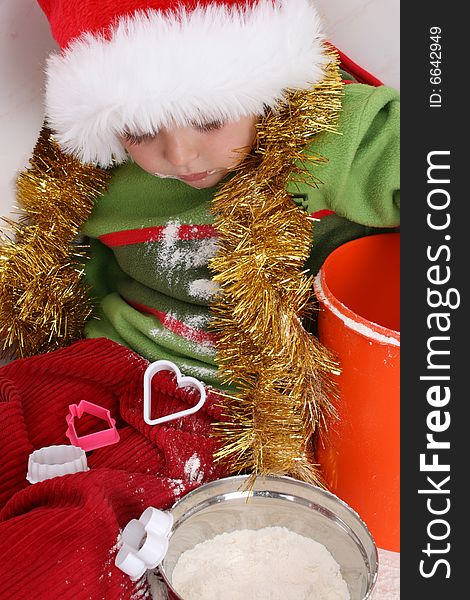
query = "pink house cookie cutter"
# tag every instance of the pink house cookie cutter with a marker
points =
(95, 440)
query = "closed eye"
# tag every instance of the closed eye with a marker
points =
(135, 139)
(206, 127)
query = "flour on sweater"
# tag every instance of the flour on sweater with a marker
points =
(195, 324)
(198, 372)
(197, 321)
(272, 563)
(193, 330)
(203, 289)
(172, 257)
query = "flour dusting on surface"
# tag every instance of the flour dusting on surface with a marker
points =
(142, 589)
(177, 486)
(388, 580)
(192, 469)
(106, 571)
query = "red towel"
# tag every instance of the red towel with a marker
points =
(59, 538)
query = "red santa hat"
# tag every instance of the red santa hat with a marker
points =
(141, 65)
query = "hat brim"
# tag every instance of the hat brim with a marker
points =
(159, 69)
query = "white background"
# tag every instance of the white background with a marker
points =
(366, 30)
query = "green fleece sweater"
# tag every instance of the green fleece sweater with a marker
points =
(151, 239)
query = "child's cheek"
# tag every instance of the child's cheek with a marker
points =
(145, 156)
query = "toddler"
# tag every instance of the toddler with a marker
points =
(170, 97)
(183, 106)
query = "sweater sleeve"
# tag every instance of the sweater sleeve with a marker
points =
(360, 179)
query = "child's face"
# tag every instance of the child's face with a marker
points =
(198, 156)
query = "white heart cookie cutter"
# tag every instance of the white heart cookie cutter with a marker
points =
(182, 381)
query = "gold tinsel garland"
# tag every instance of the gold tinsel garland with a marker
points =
(43, 300)
(283, 373)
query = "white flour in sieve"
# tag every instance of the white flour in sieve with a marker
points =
(272, 563)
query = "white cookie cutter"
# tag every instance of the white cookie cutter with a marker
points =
(55, 461)
(166, 365)
(144, 542)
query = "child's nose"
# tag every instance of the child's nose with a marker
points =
(180, 151)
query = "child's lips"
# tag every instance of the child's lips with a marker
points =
(191, 177)
(197, 176)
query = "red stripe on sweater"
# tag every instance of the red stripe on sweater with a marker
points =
(156, 234)
(175, 325)
(322, 213)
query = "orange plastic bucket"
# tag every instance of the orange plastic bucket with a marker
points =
(358, 288)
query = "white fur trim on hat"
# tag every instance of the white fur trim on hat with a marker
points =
(161, 69)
